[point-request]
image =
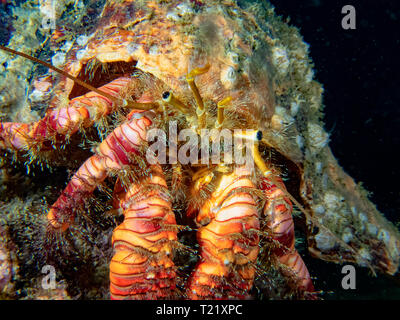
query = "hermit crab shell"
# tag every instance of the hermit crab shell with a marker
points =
(263, 64)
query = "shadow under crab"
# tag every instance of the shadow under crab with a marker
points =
(270, 75)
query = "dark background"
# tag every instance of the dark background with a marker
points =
(359, 70)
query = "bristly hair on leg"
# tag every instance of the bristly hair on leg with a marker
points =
(177, 181)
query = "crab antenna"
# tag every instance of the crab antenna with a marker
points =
(66, 74)
(201, 113)
(220, 115)
(169, 98)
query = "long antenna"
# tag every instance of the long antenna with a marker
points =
(66, 74)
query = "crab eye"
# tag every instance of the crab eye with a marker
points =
(166, 95)
(259, 135)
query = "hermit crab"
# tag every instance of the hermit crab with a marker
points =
(154, 69)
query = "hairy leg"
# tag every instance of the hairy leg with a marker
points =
(229, 242)
(114, 153)
(278, 210)
(142, 266)
(60, 122)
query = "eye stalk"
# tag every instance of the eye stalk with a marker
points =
(253, 135)
(170, 99)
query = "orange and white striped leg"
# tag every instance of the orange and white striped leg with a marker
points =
(142, 266)
(126, 140)
(228, 243)
(278, 210)
(82, 184)
(81, 112)
(114, 154)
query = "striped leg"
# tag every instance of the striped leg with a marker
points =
(114, 153)
(278, 209)
(80, 112)
(229, 242)
(125, 141)
(83, 183)
(142, 266)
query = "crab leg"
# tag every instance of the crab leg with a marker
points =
(84, 182)
(141, 267)
(278, 209)
(80, 112)
(229, 242)
(114, 153)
